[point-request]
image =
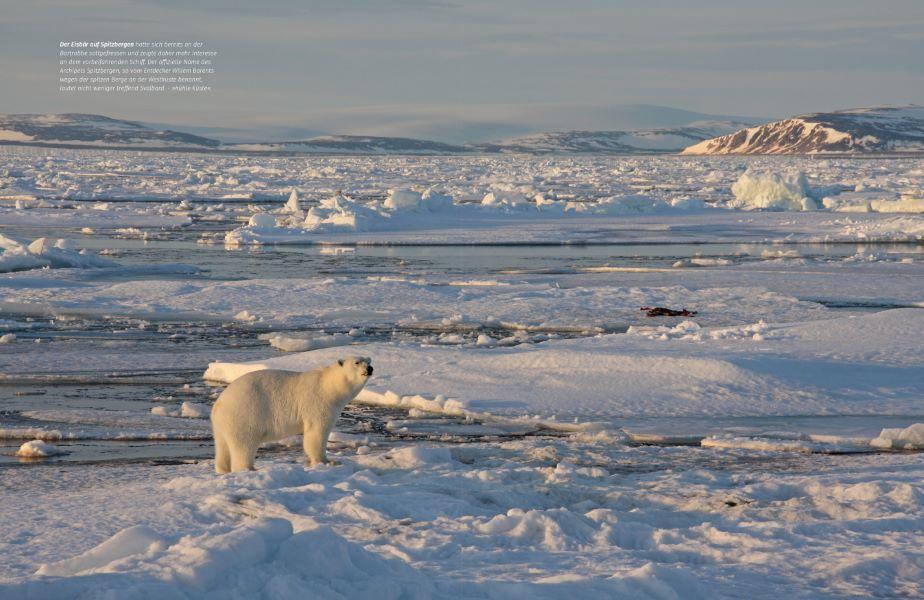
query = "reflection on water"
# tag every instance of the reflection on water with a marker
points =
(217, 262)
(307, 261)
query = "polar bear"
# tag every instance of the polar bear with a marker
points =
(270, 405)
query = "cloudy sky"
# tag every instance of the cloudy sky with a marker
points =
(456, 70)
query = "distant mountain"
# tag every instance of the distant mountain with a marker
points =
(613, 142)
(82, 130)
(241, 134)
(855, 131)
(76, 129)
(352, 144)
(863, 130)
(564, 142)
(486, 123)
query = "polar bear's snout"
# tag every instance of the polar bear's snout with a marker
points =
(359, 365)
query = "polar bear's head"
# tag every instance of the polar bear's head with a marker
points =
(358, 368)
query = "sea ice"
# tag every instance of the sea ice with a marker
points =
(772, 191)
(38, 449)
(188, 410)
(909, 438)
(576, 497)
(43, 252)
(291, 207)
(847, 365)
(305, 342)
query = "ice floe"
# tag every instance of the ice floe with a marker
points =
(773, 191)
(43, 252)
(303, 342)
(188, 410)
(909, 438)
(38, 449)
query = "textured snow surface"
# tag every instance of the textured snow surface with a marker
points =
(533, 518)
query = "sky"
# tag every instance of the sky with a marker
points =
(456, 70)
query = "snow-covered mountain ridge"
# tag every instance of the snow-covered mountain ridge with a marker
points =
(887, 129)
(96, 131)
(613, 142)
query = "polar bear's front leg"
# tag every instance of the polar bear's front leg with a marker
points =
(314, 441)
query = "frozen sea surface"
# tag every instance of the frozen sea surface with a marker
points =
(529, 430)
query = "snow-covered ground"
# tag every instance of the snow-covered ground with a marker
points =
(531, 518)
(528, 432)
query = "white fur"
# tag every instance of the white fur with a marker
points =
(270, 405)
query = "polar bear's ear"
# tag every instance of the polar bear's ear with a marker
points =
(340, 362)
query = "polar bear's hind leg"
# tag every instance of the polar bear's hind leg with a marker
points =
(242, 458)
(222, 454)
